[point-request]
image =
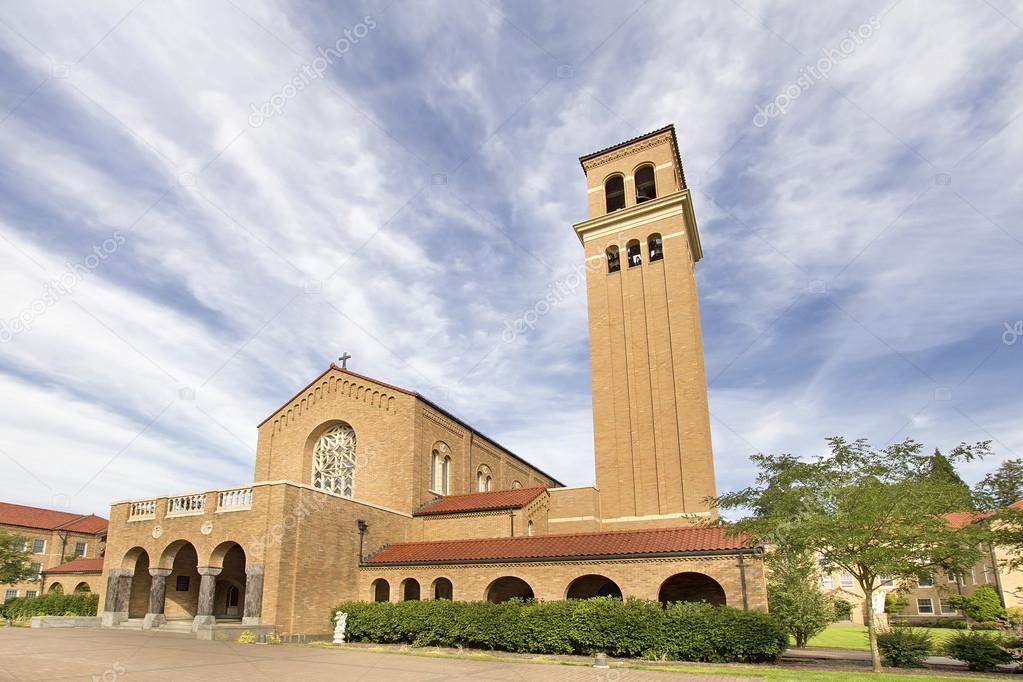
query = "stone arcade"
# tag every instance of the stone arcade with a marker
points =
(368, 491)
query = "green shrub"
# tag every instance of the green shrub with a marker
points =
(629, 629)
(843, 609)
(903, 647)
(980, 651)
(50, 604)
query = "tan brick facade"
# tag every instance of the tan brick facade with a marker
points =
(650, 413)
(283, 551)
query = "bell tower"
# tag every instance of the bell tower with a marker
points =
(651, 421)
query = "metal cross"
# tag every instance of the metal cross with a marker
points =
(344, 359)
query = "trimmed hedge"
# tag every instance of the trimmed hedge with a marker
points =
(625, 629)
(51, 604)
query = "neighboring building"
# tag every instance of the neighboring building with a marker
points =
(78, 576)
(51, 536)
(928, 595)
(367, 491)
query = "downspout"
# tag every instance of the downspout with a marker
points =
(742, 581)
(363, 526)
(996, 573)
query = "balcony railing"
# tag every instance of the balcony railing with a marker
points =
(139, 511)
(231, 500)
(192, 504)
(184, 505)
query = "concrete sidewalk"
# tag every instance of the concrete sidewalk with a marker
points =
(116, 655)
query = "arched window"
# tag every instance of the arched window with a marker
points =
(442, 589)
(410, 590)
(645, 187)
(654, 247)
(614, 261)
(614, 193)
(632, 251)
(440, 473)
(483, 479)
(516, 485)
(334, 460)
(381, 590)
(529, 528)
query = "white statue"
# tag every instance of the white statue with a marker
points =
(341, 619)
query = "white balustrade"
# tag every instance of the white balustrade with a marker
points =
(229, 500)
(144, 509)
(186, 504)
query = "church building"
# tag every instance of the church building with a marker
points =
(367, 491)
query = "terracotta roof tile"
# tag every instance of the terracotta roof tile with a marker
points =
(50, 519)
(513, 498)
(79, 565)
(622, 543)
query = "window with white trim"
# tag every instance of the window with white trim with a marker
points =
(334, 460)
(80, 548)
(38, 546)
(37, 570)
(30, 594)
(845, 580)
(827, 581)
(484, 477)
(440, 473)
(946, 606)
(924, 580)
(924, 605)
(10, 594)
(887, 581)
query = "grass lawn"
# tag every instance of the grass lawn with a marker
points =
(855, 636)
(779, 674)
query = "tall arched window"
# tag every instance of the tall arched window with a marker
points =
(334, 460)
(632, 251)
(440, 473)
(529, 528)
(614, 261)
(483, 479)
(654, 247)
(645, 187)
(614, 193)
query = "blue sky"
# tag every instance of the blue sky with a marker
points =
(224, 211)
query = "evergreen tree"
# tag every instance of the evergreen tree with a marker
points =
(944, 473)
(1002, 487)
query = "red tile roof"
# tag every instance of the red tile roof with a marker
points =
(50, 519)
(513, 498)
(623, 543)
(79, 565)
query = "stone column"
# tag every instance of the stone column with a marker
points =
(253, 594)
(155, 618)
(207, 591)
(115, 602)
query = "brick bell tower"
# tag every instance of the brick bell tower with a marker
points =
(651, 421)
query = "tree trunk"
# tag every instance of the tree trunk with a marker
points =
(875, 653)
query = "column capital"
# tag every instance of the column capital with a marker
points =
(253, 569)
(210, 570)
(162, 572)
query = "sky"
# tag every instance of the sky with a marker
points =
(202, 204)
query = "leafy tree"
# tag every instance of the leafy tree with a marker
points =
(895, 602)
(869, 512)
(942, 471)
(794, 597)
(982, 606)
(14, 566)
(1002, 487)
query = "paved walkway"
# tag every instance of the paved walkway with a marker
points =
(128, 656)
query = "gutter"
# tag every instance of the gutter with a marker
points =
(543, 559)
